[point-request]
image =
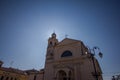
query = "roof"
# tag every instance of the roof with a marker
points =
(13, 70)
(32, 71)
(68, 41)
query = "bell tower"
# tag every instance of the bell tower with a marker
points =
(52, 42)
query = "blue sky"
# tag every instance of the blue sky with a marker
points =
(26, 25)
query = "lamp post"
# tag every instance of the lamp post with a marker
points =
(92, 54)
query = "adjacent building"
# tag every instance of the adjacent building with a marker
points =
(11, 73)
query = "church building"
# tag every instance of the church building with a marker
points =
(68, 59)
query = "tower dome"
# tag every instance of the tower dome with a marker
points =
(53, 35)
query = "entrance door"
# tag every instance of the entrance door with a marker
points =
(61, 75)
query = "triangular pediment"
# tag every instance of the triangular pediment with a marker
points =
(68, 41)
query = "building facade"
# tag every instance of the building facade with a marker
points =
(12, 73)
(68, 59)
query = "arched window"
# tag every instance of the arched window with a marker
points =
(50, 43)
(66, 54)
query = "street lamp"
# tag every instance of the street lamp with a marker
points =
(92, 54)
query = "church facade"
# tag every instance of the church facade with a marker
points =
(68, 59)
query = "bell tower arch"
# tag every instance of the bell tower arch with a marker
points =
(52, 41)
